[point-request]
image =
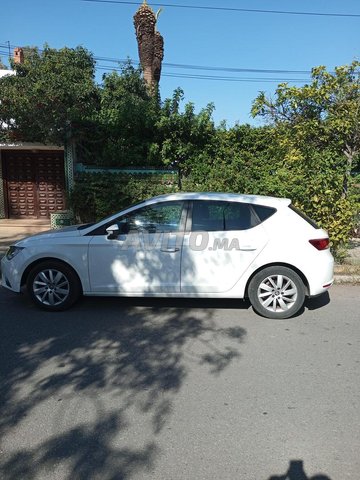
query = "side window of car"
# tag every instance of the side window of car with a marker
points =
(264, 212)
(239, 216)
(222, 216)
(157, 218)
(207, 216)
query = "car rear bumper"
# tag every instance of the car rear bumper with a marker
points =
(321, 276)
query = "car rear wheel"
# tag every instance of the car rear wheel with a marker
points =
(277, 292)
(53, 286)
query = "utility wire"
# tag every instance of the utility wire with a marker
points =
(209, 77)
(264, 79)
(235, 79)
(240, 79)
(214, 77)
(230, 9)
(201, 67)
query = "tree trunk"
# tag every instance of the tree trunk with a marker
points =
(350, 154)
(150, 46)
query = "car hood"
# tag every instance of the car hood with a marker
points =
(71, 231)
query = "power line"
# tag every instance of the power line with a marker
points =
(203, 67)
(235, 79)
(215, 77)
(232, 69)
(230, 9)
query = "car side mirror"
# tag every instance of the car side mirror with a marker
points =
(113, 231)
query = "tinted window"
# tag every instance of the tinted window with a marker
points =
(219, 216)
(264, 212)
(164, 217)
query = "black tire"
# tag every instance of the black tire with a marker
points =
(276, 292)
(53, 285)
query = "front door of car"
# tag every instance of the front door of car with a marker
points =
(143, 254)
(222, 240)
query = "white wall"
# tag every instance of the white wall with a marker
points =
(3, 73)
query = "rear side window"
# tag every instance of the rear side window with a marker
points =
(264, 212)
(304, 216)
(213, 216)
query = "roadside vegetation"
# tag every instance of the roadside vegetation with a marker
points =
(307, 149)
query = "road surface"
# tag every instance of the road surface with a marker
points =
(180, 390)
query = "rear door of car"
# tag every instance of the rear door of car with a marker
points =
(221, 241)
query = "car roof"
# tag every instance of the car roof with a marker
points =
(234, 197)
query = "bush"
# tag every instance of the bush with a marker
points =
(97, 195)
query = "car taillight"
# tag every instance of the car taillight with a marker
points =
(320, 243)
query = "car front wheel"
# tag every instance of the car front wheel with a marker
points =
(277, 292)
(53, 286)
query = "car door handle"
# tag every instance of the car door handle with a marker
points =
(248, 248)
(169, 250)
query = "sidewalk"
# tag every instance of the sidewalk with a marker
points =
(349, 271)
(13, 230)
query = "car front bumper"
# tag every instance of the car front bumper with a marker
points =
(10, 274)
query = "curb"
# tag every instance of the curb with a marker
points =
(347, 279)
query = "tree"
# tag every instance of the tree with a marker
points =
(323, 114)
(183, 137)
(2, 65)
(127, 117)
(51, 95)
(317, 133)
(150, 45)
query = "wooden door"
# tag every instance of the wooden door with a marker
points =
(50, 183)
(35, 183)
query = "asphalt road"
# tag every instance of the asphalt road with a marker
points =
(180, 390)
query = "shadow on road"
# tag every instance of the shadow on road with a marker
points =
(317, 302)
(296, 472)
(118, 359)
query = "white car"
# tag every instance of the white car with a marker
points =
(180, 245)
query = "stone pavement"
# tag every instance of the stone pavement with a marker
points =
(13, 230)
(349, 271)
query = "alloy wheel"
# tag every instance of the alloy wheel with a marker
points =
(277, 293)
(51, 287)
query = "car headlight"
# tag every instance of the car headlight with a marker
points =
(13, 251)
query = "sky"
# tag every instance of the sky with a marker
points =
(202, 38)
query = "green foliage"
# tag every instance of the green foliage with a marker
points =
(51, 91)
(309, 151)
(240, 160)
(98, 195)
(2, 65)
(317, 188)
(182, 137)
(127, 117)
(316, 129)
